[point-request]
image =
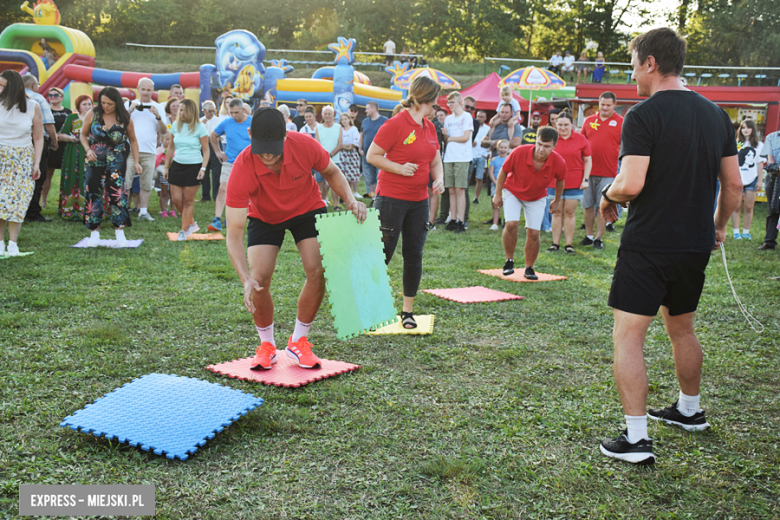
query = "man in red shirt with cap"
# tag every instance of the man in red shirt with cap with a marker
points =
(271, 185)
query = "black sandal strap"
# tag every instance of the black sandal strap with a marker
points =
(407, 318)
(554, 247)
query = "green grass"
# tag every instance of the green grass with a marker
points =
(498, 414)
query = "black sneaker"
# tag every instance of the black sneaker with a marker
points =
(586, 242)
(430, 226)
(598, 244)
(452, 226)
(489, 221)
(465, 225)
(610, 227)
(439, 221)
(460, 227)
(509, 267)
(475, 201)
(671, 415)
(582, 227)
(619, 448)
(530, 274)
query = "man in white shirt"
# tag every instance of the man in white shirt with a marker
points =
(458, 128)
(555, 62)
(568, 66)
(389, 48)
(149, 129)
(480, 154)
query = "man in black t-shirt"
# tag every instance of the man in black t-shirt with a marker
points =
(674, 147)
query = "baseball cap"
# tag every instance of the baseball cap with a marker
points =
(536, 113)
(268, 131)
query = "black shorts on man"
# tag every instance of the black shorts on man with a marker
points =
(260, 233)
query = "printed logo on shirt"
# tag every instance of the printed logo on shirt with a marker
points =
(410, 138)
(613, 123)
(595, 125)
(297, 176)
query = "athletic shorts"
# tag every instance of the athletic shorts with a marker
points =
(644, 281)
(592, 194)
(534, 210)
(302, 227)
(456, 175)
(570, 194)
(224, 174)
(147, 161)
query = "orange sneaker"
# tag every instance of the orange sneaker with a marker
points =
(301, 351)
(265, 357)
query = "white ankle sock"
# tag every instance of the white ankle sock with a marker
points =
(266, 334)
(120, 235)
(94, 238)
(688, 405)
(301, 330)
(590, 237)
(141, 211)
(736, 231)
(637, 428)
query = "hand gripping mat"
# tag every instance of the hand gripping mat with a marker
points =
(131, 244)
(355, 273)
(285, 371)
(166, 414)
(174, 237)
(6, 257)
(424, 326)
(519, 276)
(476, 294)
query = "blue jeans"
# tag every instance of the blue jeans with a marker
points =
(547, 220)
(370, 174)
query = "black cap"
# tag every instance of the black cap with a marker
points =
(268, 131)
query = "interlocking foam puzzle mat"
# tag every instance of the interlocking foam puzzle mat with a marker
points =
(285, 371)
(5, 257)
(131, 244)
(519, 275)
(476, 294)
(355, 273)
(174, 237)
(166, 414)
(424, 326)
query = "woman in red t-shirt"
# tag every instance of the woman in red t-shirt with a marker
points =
(406, 150)
(575, 150)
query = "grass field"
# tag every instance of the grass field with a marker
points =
(497, 415)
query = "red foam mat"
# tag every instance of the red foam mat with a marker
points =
(285, 371)
(519, 275)
(477, 294)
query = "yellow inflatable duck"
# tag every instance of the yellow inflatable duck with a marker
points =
(44, 12)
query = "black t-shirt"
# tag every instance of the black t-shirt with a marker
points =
(529, 136)
(685, 136)
(60, 116)
(299, 121)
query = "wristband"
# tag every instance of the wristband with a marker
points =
(203, 169)
(604, 193)
(159, 119)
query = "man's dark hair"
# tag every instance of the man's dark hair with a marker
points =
(354, 107)
(235, 102)
(608, 95)
(663, 44)
(548, 134)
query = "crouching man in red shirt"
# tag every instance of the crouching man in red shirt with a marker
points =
(271, 183)
(522, 184)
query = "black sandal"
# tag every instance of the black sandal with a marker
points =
(407, 320)
(569, 249)
(554, 247)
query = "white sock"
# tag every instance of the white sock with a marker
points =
(746, 231)
(637, 428)
(141, 211)
(590, 237)
(301, 330)
(688, 404)
(95, 235)
(11, 242)
(120, 235)
(736, 231)
(266, 334)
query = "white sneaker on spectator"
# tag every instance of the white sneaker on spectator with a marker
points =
(357, 195)
(494, 227)
(2, 248)
(13, 249)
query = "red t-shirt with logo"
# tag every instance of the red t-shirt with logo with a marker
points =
(522, 179)
(604, 139)
(405, 141)
(275, 198)
(573, 150)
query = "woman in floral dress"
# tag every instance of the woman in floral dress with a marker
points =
(106, 136)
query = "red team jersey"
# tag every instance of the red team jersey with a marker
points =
(522, 179)
(573, 150)
(604, 139)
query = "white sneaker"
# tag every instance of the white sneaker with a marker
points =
(192, 229)
(182, 236)
(448, 219)
(357, 195)
(13, 249)
(2, 248)
(494, 227)
(146, 216)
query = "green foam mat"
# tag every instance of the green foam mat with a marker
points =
(355, 273)
(6, 257)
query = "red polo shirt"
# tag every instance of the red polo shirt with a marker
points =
(275, 198)
(522, 179)
(604, 139)
(573, 150)
(405, 141)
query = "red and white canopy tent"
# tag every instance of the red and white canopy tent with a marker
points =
(486, 92)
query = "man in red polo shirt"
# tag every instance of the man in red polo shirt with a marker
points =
(522, 183)
(271, 184)
(603, 133)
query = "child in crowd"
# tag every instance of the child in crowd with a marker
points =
(506, 97)
(495, 166)
(164, 189)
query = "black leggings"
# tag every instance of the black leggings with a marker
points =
(405, 217)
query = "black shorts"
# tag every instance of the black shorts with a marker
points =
(184, 174)
(644, 281)
(302, 227)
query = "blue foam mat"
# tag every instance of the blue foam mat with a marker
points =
(166, 414)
